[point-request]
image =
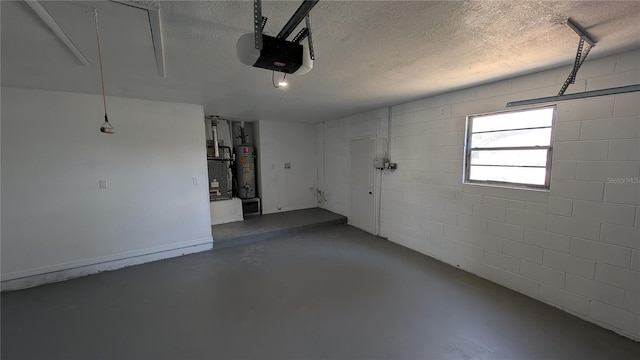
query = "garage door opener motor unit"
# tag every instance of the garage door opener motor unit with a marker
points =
(277, 53)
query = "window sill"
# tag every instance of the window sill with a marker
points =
(506, 186)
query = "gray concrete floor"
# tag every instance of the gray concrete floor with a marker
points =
(330, 293)
(259, 227)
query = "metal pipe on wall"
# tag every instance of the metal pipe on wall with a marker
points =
(381, 175)
(216, 150)
(389, 132)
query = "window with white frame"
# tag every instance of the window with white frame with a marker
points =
(511, 148)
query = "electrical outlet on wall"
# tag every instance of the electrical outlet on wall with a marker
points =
(287, 165)
(102, 184)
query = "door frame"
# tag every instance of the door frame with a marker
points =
(376, 182)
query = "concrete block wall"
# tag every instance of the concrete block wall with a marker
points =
(576, 246)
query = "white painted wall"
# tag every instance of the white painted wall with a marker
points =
(55, 217)
(576, 246)
(337, 136)
(226, 211)
(287, 142)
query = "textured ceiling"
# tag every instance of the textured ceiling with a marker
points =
(369, 54)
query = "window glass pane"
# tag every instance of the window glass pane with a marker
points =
(533, 176)
(509, 157)
(534, 137)
(513, 120)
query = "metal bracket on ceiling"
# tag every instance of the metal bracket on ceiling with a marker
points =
(307, 20)
(580, 31)
(581, 95)
(305, 33)
(258, 23)
(301, 13)
(297, 18)
(302, 34)
(581, 54)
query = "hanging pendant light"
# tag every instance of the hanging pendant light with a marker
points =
(106, 128)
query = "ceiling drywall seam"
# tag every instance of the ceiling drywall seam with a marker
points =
(56, 30)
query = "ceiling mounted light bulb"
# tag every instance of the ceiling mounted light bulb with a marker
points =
(281, 83)
(107, 128)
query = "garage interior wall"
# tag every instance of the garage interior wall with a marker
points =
(293, 143)
(576, 247)
(54, 214)
(337, 135)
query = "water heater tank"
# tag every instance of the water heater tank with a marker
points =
(245, 171)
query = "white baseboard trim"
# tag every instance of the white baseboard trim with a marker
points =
(49, 274)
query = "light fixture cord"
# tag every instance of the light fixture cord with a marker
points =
(104, 99)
